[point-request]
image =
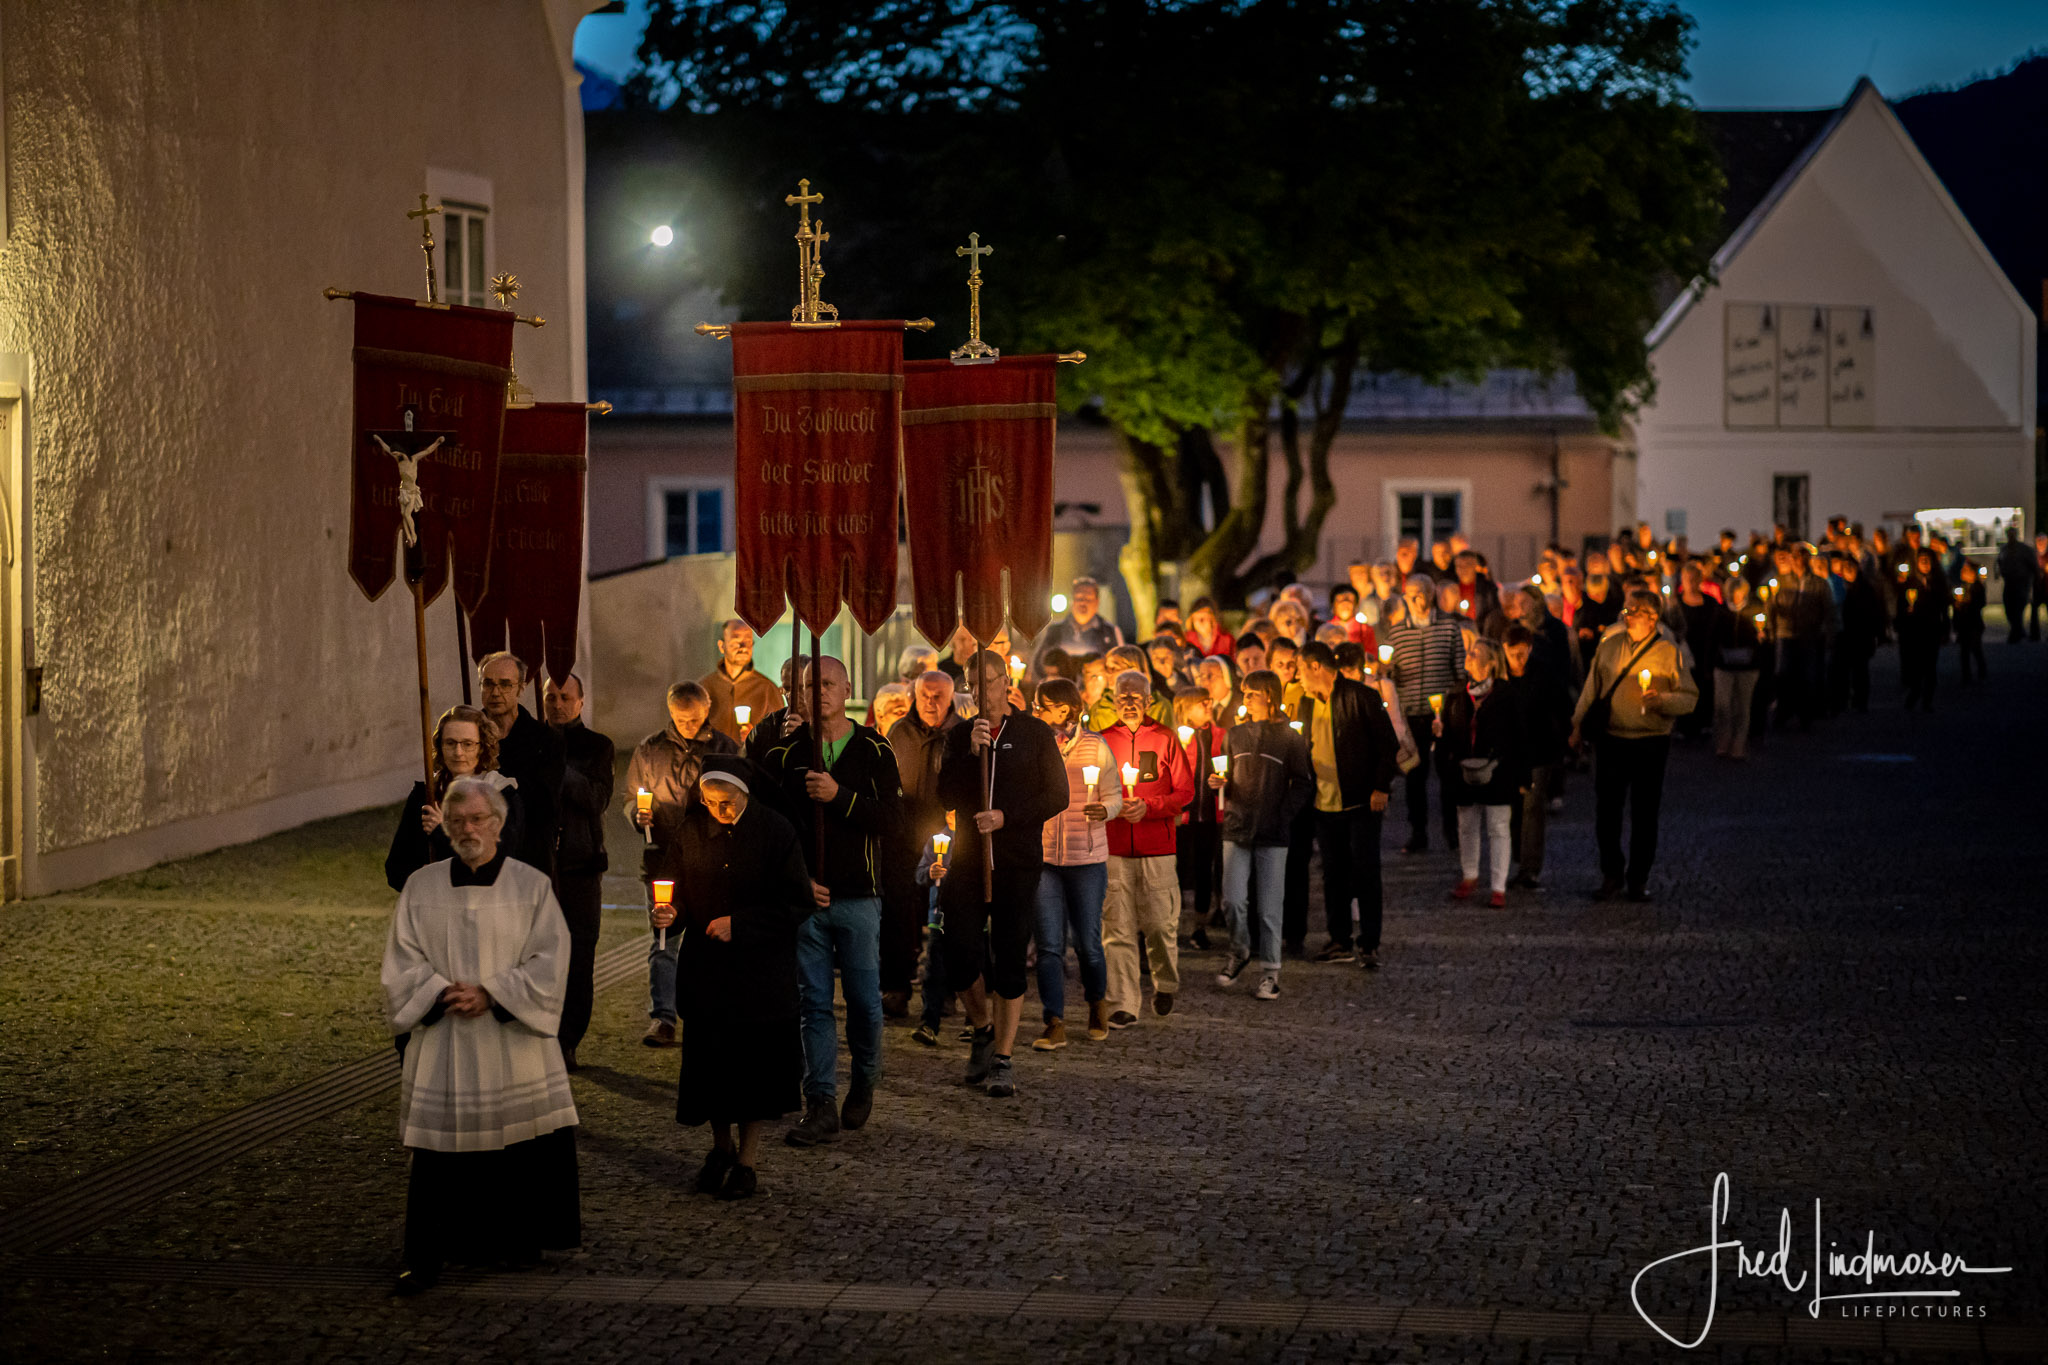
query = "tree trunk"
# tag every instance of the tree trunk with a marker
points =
(1141, 467)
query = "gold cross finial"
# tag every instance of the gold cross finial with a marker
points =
(810, 311)
(503, 287)
(976, 351)
(425, 213)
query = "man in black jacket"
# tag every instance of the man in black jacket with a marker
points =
(666, 765)
(528, 752)
(989, 921)
(856, 798)
(919, 743)
(579, 849)
(1352, 750)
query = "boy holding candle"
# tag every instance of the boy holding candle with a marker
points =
(932, 867)
(1197, 851)
(1265, 781)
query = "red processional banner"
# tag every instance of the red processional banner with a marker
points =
(445, 368)
(816, 417)
(536, 584)
(977, 486)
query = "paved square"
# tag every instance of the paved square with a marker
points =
(1466, 1155)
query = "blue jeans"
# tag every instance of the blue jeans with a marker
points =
(848, 934)
(1070, 899)
(661, 972)
(1239, 863)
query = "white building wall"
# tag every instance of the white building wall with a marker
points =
(1865, 224)
(182, 180)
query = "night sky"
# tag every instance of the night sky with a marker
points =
(1751, 53)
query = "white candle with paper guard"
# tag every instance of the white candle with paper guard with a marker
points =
(1221, 763)
(1130, 778)
(1089, 772)
(643, 801)
(1187, 732)
(664, 894)
(743, 714)
(940, 843)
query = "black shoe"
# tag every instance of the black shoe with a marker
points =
(1639, 895)
(820, 1124)
(927, 1035)
(895, 1004)
(860, 1102)
(1609, 889)
(1527, 883)
(416, 1279)
(978, 1055)
(713, 1172)
(1200, 938)
(741, 1184)
(1001, 1083)
(1334, 951)
(1162, 1002)
(1370, 961)
(1122, 1019)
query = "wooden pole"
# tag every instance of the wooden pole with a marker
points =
(817, 748)
(988, 848)
(419, 628)
(462, 650)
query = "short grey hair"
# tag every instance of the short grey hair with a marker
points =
(933, 677)
(464, 787)
(1422, 583)
(1131, 680)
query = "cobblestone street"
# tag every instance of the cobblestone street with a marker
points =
(1836, 996)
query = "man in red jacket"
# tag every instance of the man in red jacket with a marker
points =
(1143, 902)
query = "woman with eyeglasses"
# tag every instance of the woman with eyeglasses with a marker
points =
(465, 745)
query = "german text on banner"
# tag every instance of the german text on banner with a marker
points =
(449, 367)
(977, 488)
(816, 417)
(536, 585)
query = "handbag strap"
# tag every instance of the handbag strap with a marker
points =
(1627, 669)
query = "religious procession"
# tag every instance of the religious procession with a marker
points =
(1324, 672)
(1031, 804)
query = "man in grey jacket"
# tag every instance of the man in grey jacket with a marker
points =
(1643, 680)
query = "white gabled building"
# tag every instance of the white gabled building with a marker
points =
(1859, 353)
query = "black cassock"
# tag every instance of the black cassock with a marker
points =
(743, 1057)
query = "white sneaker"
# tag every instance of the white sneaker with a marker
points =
(1269, 988)
(1233, 969)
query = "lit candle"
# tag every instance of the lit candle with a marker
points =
(1774, 582)
(1464, 605)
(664, 894)
(1386, 654)
(1644, 678)
(1436, 703)
(743, 714)
(1759, 618)
(1240, 710)
(644, 800)
(1295, 726)
(1016, 668)
(1187, 732)
(940, 843)
(1221, 763)
(1089, 772)
(1130, 778)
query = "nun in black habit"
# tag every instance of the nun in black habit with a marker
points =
(741, 892)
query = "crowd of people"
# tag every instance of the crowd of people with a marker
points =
(1112, 799)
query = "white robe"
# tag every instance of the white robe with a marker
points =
(477, 1085)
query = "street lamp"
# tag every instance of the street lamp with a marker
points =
(663, 235)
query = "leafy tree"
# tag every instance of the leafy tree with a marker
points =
(1235, 207)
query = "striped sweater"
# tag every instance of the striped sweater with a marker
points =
(1429, 660)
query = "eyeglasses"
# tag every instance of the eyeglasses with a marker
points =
(462, 746)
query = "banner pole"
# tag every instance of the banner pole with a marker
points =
(462, 650)
(817, 747)
(988, 849)
(419, 627)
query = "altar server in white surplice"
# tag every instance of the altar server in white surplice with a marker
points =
(477, 968)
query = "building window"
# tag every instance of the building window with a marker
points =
(464, 233)
(688, 517)
(1428, 516)
(1789, 503)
